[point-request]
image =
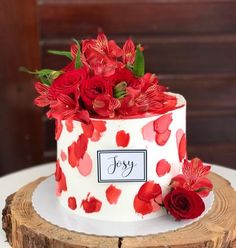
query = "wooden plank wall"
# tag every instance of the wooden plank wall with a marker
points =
(20, 128)
(190, 44)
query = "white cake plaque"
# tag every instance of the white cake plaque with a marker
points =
(122, 165)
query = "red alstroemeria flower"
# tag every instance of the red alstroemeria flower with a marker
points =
(125, 75)
(45, 98)
(153, 99)
(66, 108)
(128, 52)
(148, 80)
(101, 55)
(105, 105)
(194, 177)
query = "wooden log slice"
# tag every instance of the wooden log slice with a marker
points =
(26, 229)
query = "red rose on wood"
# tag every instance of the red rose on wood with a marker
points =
(92, 88)
(184, 204)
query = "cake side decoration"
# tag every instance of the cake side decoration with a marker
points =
(107, 109)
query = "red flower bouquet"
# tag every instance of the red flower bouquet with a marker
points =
(103, 80)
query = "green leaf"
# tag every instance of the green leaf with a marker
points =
(61, 53)
(120, 90)
(44, 80)
(46, 76)
(78, 63)
(138, 69)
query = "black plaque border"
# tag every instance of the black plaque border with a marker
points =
(99, 152)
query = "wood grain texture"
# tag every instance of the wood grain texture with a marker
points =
(168, 55)
(70, 18)
(217, 229)
(20, 128)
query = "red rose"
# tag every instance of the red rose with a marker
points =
(92, 88)
(68, 82)
(184, 204)
(125, 75)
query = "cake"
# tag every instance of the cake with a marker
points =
(121, 137)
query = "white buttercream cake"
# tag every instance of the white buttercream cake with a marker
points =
(118, 157)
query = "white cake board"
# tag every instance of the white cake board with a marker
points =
(46, 204)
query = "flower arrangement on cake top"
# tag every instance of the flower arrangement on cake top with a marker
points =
(102, 80)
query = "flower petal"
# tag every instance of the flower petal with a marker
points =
(91, 204)
(72, 203)
(142, 207)
(69, 125)
(81, 146)
(88, 129)
(181, 143)
(58, 171)
(149, 190)
(85, 165)
(58, 129)
(162, 138)
(203, 187)
(63, 156)
(161, 125)
(112, 194)
(72, 158)
(148, 132)
(162, 167)
(122, 138)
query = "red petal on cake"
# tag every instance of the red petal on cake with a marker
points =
(182, 148)
(85, 165)
(72, 158)
(58, 129)
(148, 132)
(162, 168)
(87, 129)
(69, 125)
(112, 194)
(122, 138)
(58, 189)
(96, 136)
(81, 146)
(91, 204)
(162, 124)
(142, 207)
(162, 138)
(156, 203)
(149, 190)
(181, 143)
(72, 203)
(58, 171)
(63, 156)
(100, 126)
(62, 182)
